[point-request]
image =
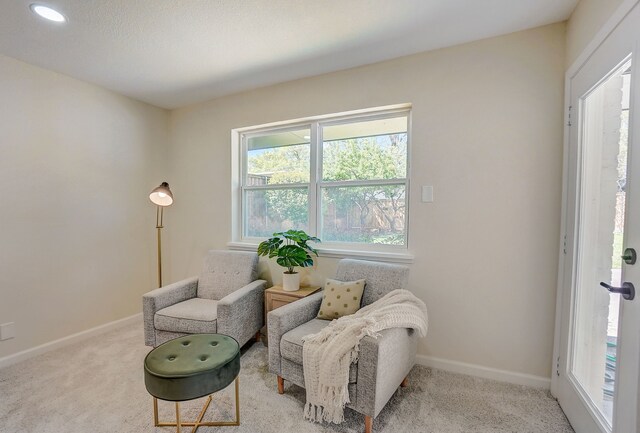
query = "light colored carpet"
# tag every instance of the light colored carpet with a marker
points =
(98, 386)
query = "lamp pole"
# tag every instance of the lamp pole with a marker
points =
(161, 197)
(159, 227)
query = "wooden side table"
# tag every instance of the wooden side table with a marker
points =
(276, 297)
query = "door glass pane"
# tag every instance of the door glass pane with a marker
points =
(605, 115)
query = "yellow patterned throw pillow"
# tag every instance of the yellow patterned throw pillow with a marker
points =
(340, 298)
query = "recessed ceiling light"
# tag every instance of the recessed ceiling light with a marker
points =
(48, 13)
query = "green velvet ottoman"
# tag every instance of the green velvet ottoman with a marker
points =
(191, 367)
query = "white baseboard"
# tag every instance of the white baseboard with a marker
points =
(65, 341)
(484, 372)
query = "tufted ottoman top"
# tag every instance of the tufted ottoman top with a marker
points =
(192, 366)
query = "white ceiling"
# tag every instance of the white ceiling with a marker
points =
(172, 53)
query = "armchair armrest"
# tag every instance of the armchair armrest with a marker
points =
(161, 298)
(383, 363)
(241, 313)
(284, 319)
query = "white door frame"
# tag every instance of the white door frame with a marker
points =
(604, 32)
(600, 37)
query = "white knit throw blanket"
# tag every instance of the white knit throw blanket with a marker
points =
(328, 354)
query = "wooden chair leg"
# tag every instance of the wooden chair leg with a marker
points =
(405, 382)
(368, 424)
(280, 385)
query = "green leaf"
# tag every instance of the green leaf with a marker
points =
(269, 247)
(290, 256)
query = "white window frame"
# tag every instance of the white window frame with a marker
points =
(239, 136)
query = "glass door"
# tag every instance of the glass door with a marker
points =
(598, 357)
(594, 336)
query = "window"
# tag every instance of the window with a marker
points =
(342, 178)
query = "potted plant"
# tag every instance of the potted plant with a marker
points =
(291, 249)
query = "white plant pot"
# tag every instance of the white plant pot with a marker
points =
(290, 282)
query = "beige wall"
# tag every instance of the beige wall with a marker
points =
(487, 134)
(76, 228)
(586, 20)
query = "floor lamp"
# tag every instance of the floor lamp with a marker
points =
(161, 197)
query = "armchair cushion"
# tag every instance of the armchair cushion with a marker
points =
(224, 272)
(193, 316)
(291, 344)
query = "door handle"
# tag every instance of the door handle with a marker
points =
(627, 290)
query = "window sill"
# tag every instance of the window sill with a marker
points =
(383, 256)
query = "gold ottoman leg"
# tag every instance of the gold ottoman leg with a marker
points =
(155, 412)
(238, 400)
(177, 417)
(198, 422)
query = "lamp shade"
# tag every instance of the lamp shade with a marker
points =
(162, 195)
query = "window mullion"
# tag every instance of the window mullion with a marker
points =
(353, 183)
(242, 221)
(314, 165)
(276, 186)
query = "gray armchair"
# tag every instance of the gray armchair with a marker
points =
(384, 362)
(227, 298)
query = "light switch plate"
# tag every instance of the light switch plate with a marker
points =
(7, 331)
(427, 194)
